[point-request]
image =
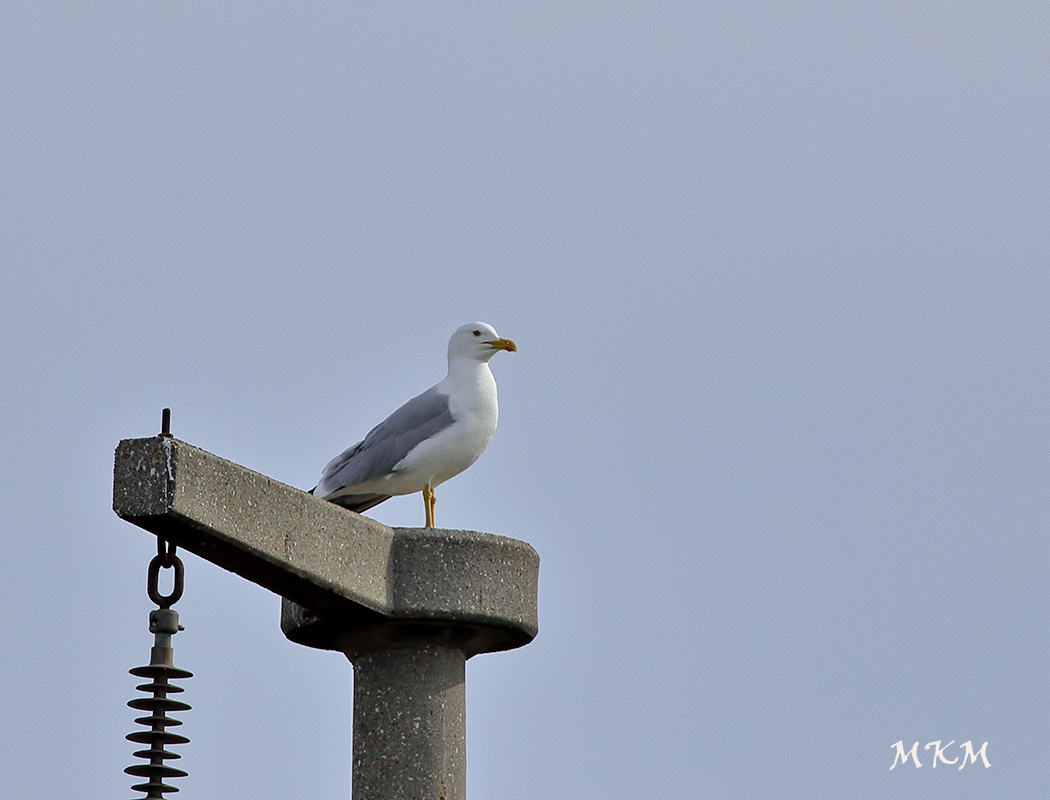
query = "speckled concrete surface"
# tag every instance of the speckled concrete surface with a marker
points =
(340, 565)
(410, 725)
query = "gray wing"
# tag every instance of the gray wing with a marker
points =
(385, 445)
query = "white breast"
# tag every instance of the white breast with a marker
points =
(472, 401)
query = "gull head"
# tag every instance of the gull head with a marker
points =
(478, 341)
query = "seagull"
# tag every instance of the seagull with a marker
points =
(431, 438)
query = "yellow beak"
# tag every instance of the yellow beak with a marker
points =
(503, 344)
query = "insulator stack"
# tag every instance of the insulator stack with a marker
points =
(163, 622)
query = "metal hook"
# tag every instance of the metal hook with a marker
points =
(166, 554)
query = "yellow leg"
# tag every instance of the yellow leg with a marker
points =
(428, 502)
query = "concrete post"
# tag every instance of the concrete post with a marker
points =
(408, 606)
(455, 591)
(410, 724)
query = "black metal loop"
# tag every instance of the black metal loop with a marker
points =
(164, 601)
(165, 555)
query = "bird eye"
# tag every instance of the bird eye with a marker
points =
(476, 333)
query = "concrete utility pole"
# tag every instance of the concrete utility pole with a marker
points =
(407, 606)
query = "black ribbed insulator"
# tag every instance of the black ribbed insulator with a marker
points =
(158, 704)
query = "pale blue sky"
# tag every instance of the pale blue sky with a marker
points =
(777, 426)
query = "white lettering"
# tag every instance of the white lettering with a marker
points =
(969, 753)
(903, 757)
(938, 752)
